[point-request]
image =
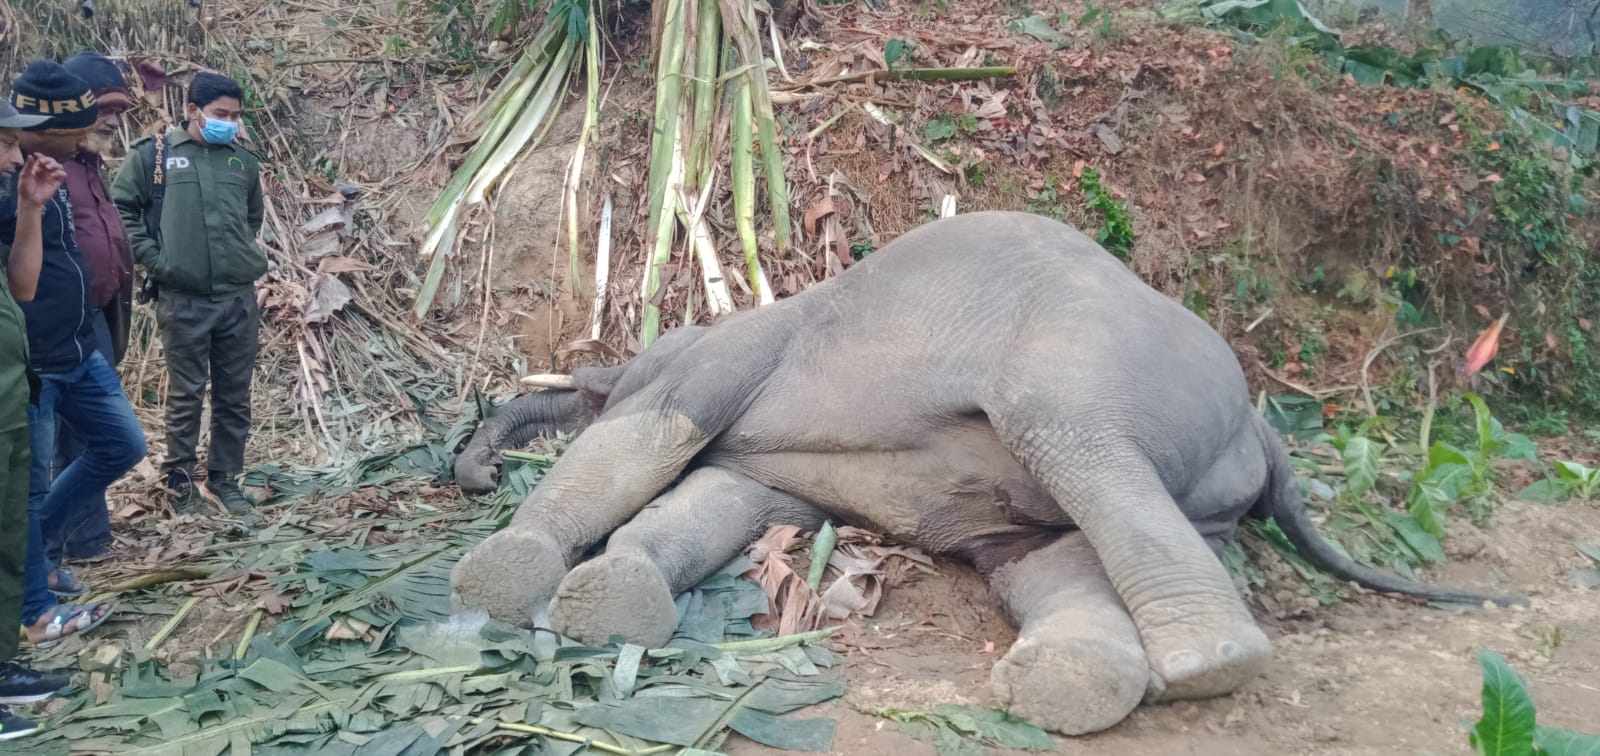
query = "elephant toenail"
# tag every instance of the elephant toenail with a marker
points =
(1182, 664)
(1230, 650)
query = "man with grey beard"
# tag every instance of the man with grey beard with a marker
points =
(100, 234)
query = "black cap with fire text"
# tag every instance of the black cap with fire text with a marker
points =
(47, 89)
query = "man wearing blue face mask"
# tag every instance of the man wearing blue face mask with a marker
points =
(190, 200)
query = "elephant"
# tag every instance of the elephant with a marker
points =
(992, 386)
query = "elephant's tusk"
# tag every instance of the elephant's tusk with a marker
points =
(550, 380)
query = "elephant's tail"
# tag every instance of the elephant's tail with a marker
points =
(1285, 505)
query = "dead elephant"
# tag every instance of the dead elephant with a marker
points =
(994, 386)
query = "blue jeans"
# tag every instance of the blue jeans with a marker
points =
(90, 397)
(87, 524)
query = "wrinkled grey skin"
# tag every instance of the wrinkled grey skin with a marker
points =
(993, 386)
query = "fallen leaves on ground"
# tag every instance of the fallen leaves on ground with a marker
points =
(364, 656)
(859, 569)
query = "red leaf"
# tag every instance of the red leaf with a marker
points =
(1483, 350)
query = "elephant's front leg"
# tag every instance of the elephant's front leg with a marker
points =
(611, 471)
(680, 539)
(1078, 665)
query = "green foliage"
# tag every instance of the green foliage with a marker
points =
(1509, 726)
(1498, 72)
(1047, 200)
(1572, 479)
(423, 681)
(1037, 27)
(959, 730)
(1455, 475)
(1115, 232)
(896, 50)
(945, 126)
(1530, 198)
(1376, 477)
(1049, 86)
(1527, 174)
(1533, 233)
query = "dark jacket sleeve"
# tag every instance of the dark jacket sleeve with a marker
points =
(256, 209)
(131, 192)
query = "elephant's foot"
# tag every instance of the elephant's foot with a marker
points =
(1069, 677)
(617, 593)
(1198, 659)
(511, 574)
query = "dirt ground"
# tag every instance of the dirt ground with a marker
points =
(1371, 675)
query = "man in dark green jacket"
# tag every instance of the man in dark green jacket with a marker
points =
(200, 251)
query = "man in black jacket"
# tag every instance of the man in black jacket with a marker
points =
(31, 183)
(76, 380)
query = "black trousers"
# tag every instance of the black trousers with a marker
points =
(216, 340)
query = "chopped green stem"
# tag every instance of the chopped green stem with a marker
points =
(172, 624)
(780, 642)
(528, 729)
(249, 633)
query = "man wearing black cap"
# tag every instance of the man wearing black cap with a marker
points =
(98, 228)
(28, 184)
(76, 380)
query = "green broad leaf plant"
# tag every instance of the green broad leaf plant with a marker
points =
(1509, 726)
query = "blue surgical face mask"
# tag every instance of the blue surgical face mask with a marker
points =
(218, 131)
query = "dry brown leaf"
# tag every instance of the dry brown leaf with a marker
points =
(819, 210)
(275, 603)
(320, 245)
(332, 218)
(342, 264)
(328, 296)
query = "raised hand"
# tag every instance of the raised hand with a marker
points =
(38, 181)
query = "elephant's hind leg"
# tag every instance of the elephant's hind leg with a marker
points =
(680, 539)
(1198, 634)
(1078, 665)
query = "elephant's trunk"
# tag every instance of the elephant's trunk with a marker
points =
(539, 413)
